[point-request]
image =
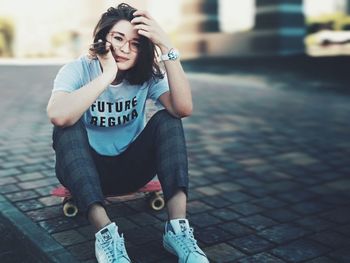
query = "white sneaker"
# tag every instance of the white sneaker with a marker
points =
(179, 240)
(110, 246)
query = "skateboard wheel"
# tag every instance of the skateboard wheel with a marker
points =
(70, 209)
(157, 203)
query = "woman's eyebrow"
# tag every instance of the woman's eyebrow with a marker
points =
(122, 34)
(116, 32)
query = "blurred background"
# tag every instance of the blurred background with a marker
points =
(199, 28)
(268, 143)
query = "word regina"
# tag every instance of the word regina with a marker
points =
(109, 114)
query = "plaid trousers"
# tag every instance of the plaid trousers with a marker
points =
(160, 150)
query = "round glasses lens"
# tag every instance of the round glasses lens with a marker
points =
(119, 42)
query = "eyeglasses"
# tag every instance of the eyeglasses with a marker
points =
(118, 41)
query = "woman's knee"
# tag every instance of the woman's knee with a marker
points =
(76, 126)
(76, 131)
(164, 119)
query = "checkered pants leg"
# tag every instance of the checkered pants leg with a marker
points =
(161, 149)
(75, 168)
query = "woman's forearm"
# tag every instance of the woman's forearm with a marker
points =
(180, 91)
(65, 109)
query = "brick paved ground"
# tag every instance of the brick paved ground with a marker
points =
(268, 165)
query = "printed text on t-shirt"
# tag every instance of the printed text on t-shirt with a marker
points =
(125, 108)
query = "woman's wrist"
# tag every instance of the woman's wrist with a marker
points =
(108, 77)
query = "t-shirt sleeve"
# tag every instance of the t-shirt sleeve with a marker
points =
(157, 88)
(69, 77)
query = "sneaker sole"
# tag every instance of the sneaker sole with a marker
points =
(97, 257)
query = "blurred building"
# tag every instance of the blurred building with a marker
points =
(50, 29)
(279, 30)
(199, 28)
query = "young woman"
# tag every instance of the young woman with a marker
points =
(102, 144)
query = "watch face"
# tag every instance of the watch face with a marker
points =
(173, 54)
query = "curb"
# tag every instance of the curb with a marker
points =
(34, 241)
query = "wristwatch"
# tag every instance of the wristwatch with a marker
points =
(173, 54)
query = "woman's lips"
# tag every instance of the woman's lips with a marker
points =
(121, 59)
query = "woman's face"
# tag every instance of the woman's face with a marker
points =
(125, 42)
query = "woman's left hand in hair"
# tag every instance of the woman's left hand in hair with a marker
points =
(148, 27)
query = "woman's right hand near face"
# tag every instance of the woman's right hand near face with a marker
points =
(108, 63)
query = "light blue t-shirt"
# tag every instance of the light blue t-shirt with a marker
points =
(117, 116)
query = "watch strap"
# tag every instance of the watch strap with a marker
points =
(164, 57)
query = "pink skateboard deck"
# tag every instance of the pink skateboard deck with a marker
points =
(152, 190)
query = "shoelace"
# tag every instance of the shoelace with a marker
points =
(108, 248)
(187, 241)
(121, 247)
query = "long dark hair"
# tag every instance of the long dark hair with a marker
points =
(146, 66)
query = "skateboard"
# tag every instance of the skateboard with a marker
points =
(152, 191)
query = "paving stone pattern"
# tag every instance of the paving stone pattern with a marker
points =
(268, 168)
